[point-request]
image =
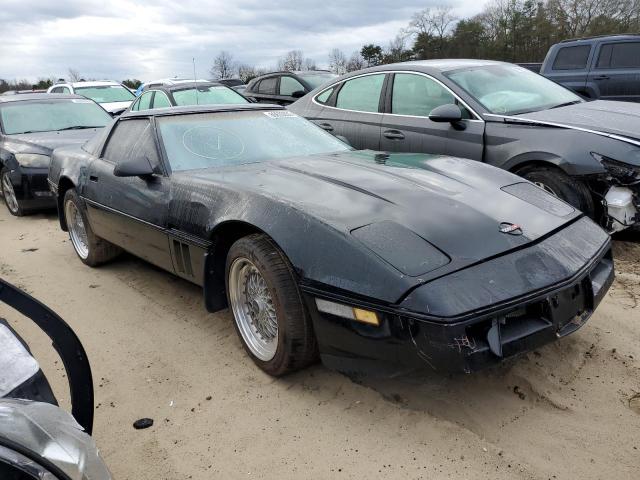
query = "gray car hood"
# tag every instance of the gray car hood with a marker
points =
(45, 142)
(615, 118)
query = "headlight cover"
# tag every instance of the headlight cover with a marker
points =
(32, 160)
(622, 171)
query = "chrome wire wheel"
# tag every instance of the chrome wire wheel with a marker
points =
(546, 188)
(253, 310)
(77, 230)
(9, 193)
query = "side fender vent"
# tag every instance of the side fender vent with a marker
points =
(182, 256)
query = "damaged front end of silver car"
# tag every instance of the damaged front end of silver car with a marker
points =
(39, 440)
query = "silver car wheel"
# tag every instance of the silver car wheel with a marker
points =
(77, 230)
(9, 194)
(253, 309)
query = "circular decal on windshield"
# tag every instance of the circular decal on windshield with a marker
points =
(213, 143)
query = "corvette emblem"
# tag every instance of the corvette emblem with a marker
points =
(510, 228)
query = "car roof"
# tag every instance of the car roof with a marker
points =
(39, 96)
(187, 109)
(184, 85)
(172, 81)
(621, 36)
(430, 66)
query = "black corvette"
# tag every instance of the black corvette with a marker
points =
(366, 259)
(31, 126)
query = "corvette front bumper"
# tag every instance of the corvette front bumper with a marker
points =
(407, 339)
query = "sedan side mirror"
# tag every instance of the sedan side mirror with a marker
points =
(135, 167)
(446, 113)
(298, 94)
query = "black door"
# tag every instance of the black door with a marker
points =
(130, 211)
(406, 126)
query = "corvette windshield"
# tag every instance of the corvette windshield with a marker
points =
(235, 138)
(106, 94)
(51, 115)
(509, 89)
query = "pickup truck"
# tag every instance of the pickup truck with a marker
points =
(605, 67)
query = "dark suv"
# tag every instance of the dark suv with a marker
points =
(605, 67)
(284, 88)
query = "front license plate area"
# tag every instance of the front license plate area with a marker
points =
(570, 308)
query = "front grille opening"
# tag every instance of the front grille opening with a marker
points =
(515, 324)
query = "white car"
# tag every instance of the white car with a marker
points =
(112, 96)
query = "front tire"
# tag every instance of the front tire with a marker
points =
(10, 199)
(269, 315)
(91, 249)
(561, 185)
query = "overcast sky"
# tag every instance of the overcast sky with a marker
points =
(121, 39)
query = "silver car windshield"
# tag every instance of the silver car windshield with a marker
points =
(509, 89)
(234, 138)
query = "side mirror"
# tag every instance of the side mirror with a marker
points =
(446, 113)
(135, 167)
(298, 94)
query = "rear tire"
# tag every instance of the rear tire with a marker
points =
(91, 249)
(269, 314)
(558, 183)
(9, 195)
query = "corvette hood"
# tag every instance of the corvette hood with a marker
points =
(455, 205)
(45, 142)
(616, 118)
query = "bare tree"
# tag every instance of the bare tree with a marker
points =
(74, 75)
(223, 66)
(293, 60)
(356, 62)
(309, 64)
(435, 22)
(337, 62)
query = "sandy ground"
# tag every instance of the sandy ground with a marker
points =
(570, 410)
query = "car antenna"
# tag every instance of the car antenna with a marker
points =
(194, 79)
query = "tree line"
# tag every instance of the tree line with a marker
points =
(509, 30)
(516, 31)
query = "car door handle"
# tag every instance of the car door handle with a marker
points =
(326, 126)
(93, 178)
(393, 134)
(601, 77)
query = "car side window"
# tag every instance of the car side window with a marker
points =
(131, 139)
(56, 90)
(66, 90)
(619, 55)
(323, 98)
(417, 95)
(288, 85)
(572, 58)
(161, 100)
(361, 94)
(145, 101)
(267, 86)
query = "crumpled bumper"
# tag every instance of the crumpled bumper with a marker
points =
(479, 316)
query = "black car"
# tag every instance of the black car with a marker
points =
(586, 153)
(187, 93)
(413, 260)
(283, 88)
(605, 67)
(31, 126)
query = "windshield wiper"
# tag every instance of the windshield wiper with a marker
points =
(566, 104)
(78, 127)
